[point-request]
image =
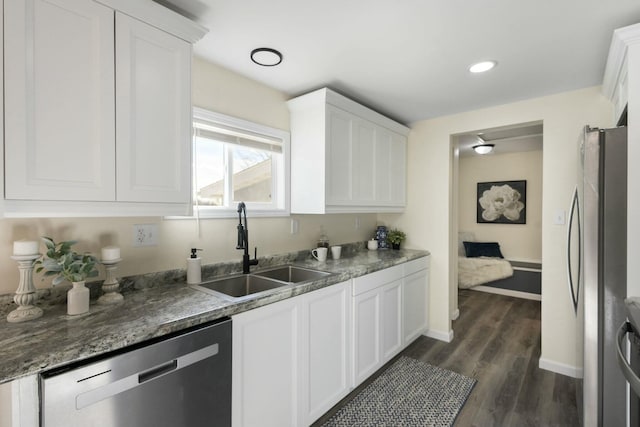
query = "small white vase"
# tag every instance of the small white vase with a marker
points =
(78, 299)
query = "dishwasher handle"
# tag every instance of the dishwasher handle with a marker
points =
(157, 371)
(127, 383)
(628, 373)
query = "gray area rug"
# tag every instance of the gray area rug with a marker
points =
(408, 393)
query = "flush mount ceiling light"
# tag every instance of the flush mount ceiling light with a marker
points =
(482, 147)
(483, 66)
(266, 57)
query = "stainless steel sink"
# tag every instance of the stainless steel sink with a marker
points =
(238, 287)
(292, 274)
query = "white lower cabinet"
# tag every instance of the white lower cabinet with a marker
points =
(366, 335)
(391, 320)
(294, 359)
(19, 404)
(390, 310)
(325, 352)
(377, 321)
(291, 359)
(265, 368)
(415, 306)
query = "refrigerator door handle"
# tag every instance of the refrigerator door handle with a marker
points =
(627, 371)
(574, 290)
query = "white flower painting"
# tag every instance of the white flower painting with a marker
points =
(502, 202)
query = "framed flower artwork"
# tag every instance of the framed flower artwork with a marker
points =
(502, 202)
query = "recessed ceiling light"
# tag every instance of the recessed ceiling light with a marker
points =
(266, 57)
(483, 66)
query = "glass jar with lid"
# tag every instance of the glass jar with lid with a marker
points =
(323, 240)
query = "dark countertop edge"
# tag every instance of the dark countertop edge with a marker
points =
(340, 273)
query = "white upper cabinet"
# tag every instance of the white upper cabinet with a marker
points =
(345, 157)
(339, 157)
(622, 69)
(59, 95)
(97, 108)
(153, 104)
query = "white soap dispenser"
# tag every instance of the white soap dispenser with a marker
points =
(194, 268)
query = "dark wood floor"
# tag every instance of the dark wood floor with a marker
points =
(497, 342)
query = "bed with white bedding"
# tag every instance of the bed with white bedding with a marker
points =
(478, 270)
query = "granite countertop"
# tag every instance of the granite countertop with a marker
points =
(57, 339)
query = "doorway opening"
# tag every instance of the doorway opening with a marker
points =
(497, 202)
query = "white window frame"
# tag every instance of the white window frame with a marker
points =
(281, 179)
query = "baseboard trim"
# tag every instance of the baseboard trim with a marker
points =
(455, 314)
(507, 292)
(560, 368)
(439, 335)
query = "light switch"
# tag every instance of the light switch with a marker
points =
(560, 217)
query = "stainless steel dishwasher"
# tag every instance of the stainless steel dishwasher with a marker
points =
(184, 380)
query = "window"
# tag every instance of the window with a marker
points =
(235, 160)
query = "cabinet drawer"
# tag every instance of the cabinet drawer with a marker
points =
(374, 280)
(416, 265)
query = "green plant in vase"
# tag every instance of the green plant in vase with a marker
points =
(65, 264)
(395, 237)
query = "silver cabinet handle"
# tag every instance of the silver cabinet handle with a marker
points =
(575, 292)
(628, 373)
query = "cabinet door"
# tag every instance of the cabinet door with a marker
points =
(339, 169)
(265, 375)
(383, 158)
(363, 166)
(391, 318)
(366, 335)
(390, 165)
(398, 169)
(415, 305)
(59, 105)
(153, 104)
(325, 355)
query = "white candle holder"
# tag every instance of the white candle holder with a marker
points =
(26, 295)
(110, 285)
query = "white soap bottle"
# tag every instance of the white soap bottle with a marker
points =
(194, 268)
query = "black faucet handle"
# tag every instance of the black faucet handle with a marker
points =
(254, 261)
(241, 237)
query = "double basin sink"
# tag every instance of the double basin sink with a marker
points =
(248, 285)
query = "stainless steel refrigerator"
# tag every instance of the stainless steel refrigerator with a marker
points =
(597, 252)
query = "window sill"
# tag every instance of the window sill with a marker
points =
(233, 213)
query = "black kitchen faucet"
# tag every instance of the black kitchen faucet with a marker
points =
(243, 240)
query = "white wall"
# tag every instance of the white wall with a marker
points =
(223, 91)
(521, 242)
(431, 222)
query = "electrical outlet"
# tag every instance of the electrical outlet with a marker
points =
(145, 234)
(357, 223)
(294, 226)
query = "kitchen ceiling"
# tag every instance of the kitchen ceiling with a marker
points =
(410, 59)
